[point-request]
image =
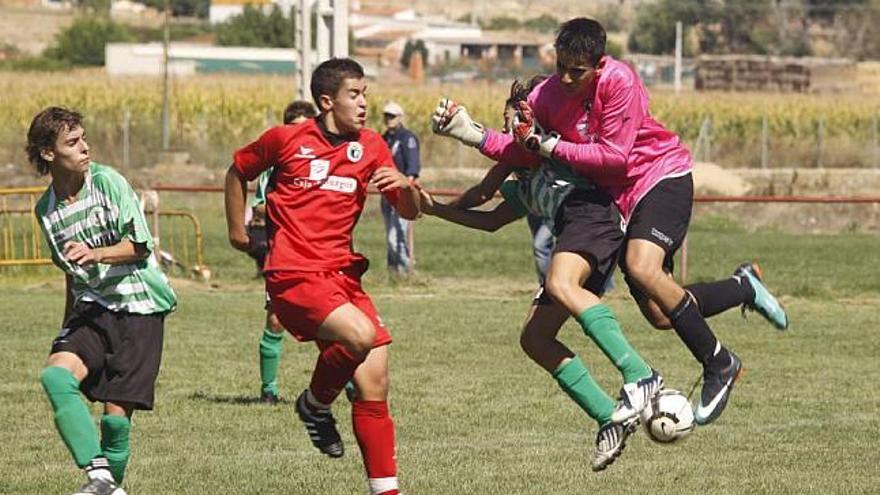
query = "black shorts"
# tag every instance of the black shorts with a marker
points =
(259, 244)
(588, 223)
(662, 217)
(122, 352)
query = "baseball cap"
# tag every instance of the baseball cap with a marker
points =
(393, 109)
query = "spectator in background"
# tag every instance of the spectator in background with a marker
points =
(404, 147)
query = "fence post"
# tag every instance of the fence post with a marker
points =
(126, 138)
(765, 141)
(875, 138)
(704, 141)
(820, 142)
(270, 118)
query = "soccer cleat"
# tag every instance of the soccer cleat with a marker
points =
(764, 303)
(610, 442)
(321, 428)
(717, 385)
(634, 397)
(100, 486)
(270, 398)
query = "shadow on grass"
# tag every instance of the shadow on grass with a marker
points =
(238, 400)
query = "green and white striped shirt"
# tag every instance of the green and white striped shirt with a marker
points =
(541, 191)
(105, 212)
(262, 187)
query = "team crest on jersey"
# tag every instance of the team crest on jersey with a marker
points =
(355, 151)
(97, 217)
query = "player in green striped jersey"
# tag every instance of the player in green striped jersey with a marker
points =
(110, 344)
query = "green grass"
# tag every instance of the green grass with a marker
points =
(473, 414)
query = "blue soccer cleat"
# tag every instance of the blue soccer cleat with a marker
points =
(764, 303)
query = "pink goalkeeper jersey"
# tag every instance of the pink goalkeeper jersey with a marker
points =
(607, 133)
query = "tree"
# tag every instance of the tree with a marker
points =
(253, 27)
(501, 23)
(185, 8)
(410, 48)
(82, 43)
(728, 26)
(545, 23)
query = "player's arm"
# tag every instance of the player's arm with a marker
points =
(452, 120)
(621, 118)
(490, 220)
(235, 198)
(390, 182)
(247, 164)
(124, 251)
(480, 193)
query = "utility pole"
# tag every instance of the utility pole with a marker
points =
(166, 105)
(678, 49)
(331, 36)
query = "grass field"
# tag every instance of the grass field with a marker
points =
(473, 414)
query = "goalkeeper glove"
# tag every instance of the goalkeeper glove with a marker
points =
(451, 119)
(530, 134)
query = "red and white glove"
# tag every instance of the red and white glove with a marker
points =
(530, 134)
(451, 119)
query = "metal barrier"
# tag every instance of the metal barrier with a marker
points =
(179, 249)
(22, 243)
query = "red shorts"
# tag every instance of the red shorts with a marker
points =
(303, 300)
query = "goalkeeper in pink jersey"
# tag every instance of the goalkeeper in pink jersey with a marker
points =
(593, 115)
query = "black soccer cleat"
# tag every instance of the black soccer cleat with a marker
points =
(718, 383)
(321, 428)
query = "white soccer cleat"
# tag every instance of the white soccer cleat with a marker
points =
(634, 397)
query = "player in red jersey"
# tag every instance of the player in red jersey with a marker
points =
(322, 169)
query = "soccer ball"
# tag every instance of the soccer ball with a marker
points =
(668, 417)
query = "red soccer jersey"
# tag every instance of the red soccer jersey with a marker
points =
(318, 192)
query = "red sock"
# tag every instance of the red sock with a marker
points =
(374, 430)
(334, 369)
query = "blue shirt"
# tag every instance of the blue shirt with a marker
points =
(404, 147)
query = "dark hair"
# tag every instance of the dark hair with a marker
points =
(299, 108)
(328, 76)
(581, 38)
(44, 131)
(519, 91)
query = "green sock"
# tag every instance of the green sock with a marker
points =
(600, 325)
(270, 356)
(114, 443)
(576, 381)
(72, 417)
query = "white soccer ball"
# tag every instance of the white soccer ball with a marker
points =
(669, 417)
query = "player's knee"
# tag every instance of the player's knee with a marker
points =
(559, 286)
(275, 325)
(644, 272)
(360, 340)
(660, 322)
(527, 342)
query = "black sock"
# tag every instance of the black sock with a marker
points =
(693, 330)
(717, 297)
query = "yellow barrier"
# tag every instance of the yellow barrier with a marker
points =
(21, 240)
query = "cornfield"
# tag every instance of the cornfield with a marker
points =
(212, 115)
